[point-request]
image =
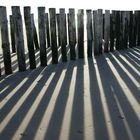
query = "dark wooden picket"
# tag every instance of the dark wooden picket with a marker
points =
(30, 39)
(72, 33)
(5, 40)
(80, 28)
(89, 33)
(19, 37)
(52, 12)
(42, 35)
(63, 34)
(106, 31)
(47, 30)
(36, 43)
(12, 34)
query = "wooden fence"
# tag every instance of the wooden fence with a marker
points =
(106, 31)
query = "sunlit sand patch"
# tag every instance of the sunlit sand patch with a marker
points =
(89, 132)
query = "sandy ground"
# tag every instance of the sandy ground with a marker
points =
(90, 99)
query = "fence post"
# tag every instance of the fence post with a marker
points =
(63, 34)
(128, 16)
(118, 34)
(126, 30)
(12, 33)
(121, 30)
(138, 24)
(89, 33)
(131, 29)
(80, 26)
(5, 40)
(95, 39)
(112, 30)
(58, 29)
(104, 25)
(62, 10)
(29, 34)
(136, 12)
(134, 29)
(35, 38)
(100, 29)
(72, 33)
(19, 37)
(47, 30)
(42, 35)
(52, 13)
(107, 31)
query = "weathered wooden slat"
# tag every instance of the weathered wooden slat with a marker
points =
(121, 30)
(63, 34)
(100, 28)
(29, 34)
(131, 29)
(72, 33)
(58, 29)
(107, 31)
(89, 33)
(52, 13)
(138, 29)
(104, 25)
(118, 22)
(5, 40)
(68, 37)
(134, 29)
(36, 43)
(19, 38)
(80, 26)
(0, 43)
(42, 35)
(128, 15)
(112, 30)
(47, 30)
(66, 25)
(126, 29)
(95, 39)
(136, 12)
(12, 34)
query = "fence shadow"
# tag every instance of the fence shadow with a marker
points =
(86, 99)
(116, 89)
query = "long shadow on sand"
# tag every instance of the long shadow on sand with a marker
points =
(49, 103)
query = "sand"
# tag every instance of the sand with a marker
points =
(87, 99)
